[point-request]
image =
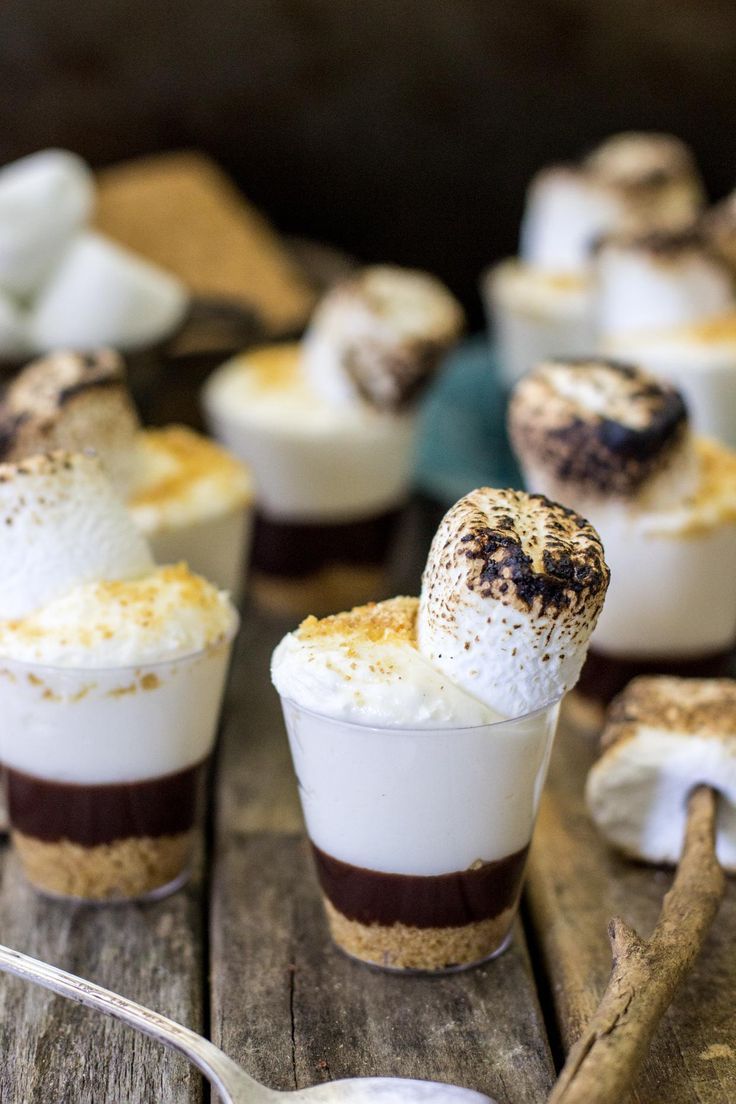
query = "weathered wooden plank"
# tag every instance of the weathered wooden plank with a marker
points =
(287, 1005)
(54, 1051)
(575, 885)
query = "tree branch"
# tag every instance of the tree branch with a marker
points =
(645, 974)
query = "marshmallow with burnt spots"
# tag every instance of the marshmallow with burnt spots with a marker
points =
(613, 442)
(188, 495)
(512, 590)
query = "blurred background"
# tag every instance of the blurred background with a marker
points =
(401, 130)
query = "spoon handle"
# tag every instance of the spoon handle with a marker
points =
(231, 1082)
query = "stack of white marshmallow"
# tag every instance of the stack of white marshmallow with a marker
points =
(63, 284)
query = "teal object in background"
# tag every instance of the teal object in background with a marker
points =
(462, 440)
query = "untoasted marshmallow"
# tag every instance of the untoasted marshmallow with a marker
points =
(44, 200)
(657, 281)
(72, 401)
(100, 294)
(663, 737)
(567, 211)
(63, 525)
(590, 429)
(378, 337)
(657, 176)
(511, 592)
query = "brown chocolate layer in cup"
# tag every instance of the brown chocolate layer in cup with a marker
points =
(91, 815)
(296, 549)
(421, 901)
(605, 676)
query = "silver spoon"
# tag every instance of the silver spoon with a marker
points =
(233, 1084)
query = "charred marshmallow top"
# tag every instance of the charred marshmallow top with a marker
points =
(378, 337)
(511, 592)
(598, 428)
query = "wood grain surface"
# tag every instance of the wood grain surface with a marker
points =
(575, 884)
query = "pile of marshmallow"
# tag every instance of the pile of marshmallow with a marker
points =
(63, 284)
(619, 255)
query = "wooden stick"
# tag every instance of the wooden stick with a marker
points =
(645, 975)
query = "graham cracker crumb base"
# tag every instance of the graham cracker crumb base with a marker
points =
(407, 948)
(126, 868)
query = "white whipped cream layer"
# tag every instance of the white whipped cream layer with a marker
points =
(700, 360)
(125, 724)
(311, 460)
(160, 616)
(365, 667)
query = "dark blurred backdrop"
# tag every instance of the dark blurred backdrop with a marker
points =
(402, 130)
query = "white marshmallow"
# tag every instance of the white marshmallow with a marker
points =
(659, 281)
(45, 199)
(100, 294)
(567, 211)
(377, 337)
(63, 525)
(511, 592)
(664, 737)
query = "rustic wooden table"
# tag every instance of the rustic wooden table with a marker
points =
(242, 954)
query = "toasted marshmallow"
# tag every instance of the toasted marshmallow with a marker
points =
(378, 337)
(100, 294)
(659, 280)
(599, 429)
(63, 525)
(655, 173)
(44, 200)
(511, 592)
(72, 401)
(663, 737)
(567, 211)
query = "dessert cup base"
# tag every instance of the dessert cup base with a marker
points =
(402, 949)
(416, 971)
(151, 895)
(335, 587)
(134, 869)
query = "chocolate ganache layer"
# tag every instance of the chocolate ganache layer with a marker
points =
(95, 814)
(421, 901)
(295, 549)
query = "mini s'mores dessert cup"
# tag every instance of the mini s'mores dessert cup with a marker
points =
(328, 427)
(190, 498)
(111, 676)
(612, 441)
(543, 302)
(421, 731)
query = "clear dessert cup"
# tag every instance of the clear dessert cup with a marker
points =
(103, 768)
(216, 548)
(420, 836)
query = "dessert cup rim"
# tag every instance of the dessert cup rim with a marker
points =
(225, 639)
(426, 730)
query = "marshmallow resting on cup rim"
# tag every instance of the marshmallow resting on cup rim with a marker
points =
(614, 443)
(188, 496)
